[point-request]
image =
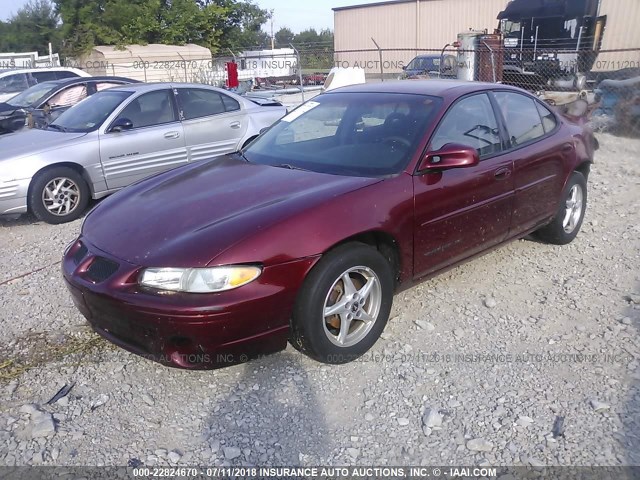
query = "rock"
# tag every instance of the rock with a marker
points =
(535, 462)
(42, 425)
(231, 452)
(479, 445)
(174, 456)
(29, 408)
(599, 406)
(354, 453)
(148, 399)
(458, 333)
(431, 418)
(98, 402)
(454, 403)
(490, 302)
(524, 421)
(63, 402)
(403, 422)
(160, 452)
(55, 453)
(369, 417)
(633, 298)
(625, 321)
(425, 325)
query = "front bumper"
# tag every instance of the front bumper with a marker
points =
(13, 196)
(195, 331)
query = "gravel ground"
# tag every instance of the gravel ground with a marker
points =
(476, 367)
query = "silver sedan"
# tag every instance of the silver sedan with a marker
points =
(119, 136)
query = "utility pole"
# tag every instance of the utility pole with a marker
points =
(273, 38)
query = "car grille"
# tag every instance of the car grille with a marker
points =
(80, 254)
(101, 269)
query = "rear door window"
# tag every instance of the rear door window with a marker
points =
(521, 117)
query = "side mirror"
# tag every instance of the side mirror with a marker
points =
(262, 130)
(452, 155)
(121, 124)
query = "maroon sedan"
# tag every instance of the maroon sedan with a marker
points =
(306, 235)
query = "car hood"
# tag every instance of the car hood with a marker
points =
(189, 216)
(33, 141)
(6, 109)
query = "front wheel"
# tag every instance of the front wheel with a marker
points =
(566, 224)
(343, 305)
(58, 195)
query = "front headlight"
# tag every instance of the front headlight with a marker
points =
(199, 280)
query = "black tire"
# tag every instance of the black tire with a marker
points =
(77, 194)
(310, 331)
(558, 232)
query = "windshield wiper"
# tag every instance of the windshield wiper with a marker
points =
(57, 127)
(290, 167)
(241, 154)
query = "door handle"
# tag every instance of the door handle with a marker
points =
(502, 173)
(170, 135)
(235, 125)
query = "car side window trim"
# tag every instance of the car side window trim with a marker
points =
(509, 146)
(449, 109)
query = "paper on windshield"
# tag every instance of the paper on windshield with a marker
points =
(301, 110)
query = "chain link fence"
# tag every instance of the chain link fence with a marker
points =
(603, 84)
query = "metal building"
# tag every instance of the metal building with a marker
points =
(426, 26)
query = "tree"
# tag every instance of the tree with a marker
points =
(215, 24)
(284, 37)
(31, 29)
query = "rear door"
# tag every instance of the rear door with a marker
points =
(214, 123)
(154, 144)
(538, 158)
(462, 211)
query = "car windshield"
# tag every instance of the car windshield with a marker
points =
(357, 134)
(32, 97)
(89, 114)
(423, 63)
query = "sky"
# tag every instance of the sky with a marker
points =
(295, 14)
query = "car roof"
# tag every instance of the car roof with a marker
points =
(437, 88)
(40, 69)
(73, 80)
(148, 87)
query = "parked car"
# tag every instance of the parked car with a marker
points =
(119, 136)
(431, 66)
(39, 105)
(14, 81)
(306, 234)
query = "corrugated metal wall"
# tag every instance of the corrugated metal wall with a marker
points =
(622, 31)
(438, 22)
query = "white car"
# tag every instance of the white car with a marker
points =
(14, 81)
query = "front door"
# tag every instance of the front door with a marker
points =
(154, 144)
(462, 211)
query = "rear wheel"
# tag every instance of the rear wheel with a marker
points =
(343, 305)
(58, 195)
(566, 224)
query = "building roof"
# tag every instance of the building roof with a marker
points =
(376, 4)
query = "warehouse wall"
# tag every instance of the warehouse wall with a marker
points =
(394, 25)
